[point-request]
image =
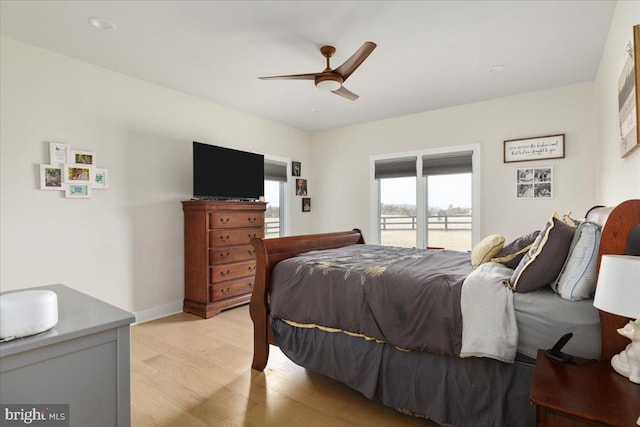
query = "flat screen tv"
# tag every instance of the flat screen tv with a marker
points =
(225, 173)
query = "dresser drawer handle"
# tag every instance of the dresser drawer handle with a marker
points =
(225, 220)
(225, 273)
(225, 291)
(253, 235)
(224, 256)
(252, 268)
(225, 238)
(250, 285)
(252, 220)
(251, 252)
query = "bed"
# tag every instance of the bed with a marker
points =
(428, 332)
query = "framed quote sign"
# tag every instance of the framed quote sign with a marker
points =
(628, 94)
(536, 148)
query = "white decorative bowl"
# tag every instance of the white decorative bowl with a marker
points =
(25, 313)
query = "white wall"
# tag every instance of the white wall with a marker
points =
(341, 158)
(619, 178)
(125, 245)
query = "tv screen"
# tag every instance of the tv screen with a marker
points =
(225, 173)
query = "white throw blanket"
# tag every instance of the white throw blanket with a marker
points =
(489, 326)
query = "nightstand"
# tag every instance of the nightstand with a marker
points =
(566, 394)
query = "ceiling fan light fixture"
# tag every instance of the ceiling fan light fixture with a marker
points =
(328, 83)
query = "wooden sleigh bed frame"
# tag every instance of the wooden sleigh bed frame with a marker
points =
(620, 235)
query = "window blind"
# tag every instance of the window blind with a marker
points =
(445, 164)
(275, 171)
(395, 168)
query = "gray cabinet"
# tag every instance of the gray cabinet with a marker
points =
(83, 361)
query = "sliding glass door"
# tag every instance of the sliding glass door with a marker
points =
(426, 199)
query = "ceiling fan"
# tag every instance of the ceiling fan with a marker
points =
(331, 80)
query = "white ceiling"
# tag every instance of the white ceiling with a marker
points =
(430, 54)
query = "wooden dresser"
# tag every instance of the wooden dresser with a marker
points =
(219, 262)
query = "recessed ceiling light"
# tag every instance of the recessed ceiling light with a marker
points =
(497, 68)
(102, 24)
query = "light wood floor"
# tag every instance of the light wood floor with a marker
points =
(187, 371)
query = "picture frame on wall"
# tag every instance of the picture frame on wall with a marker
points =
(77, 191)
(59, 153)
(80, 157)
(301, 187)
(534, 183)
(51, 177)
(77, 174)
(100, 179)
(296, 168)
(535, 148)
(306, 204)
(628, 95)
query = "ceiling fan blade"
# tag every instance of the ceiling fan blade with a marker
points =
(308, 76)
(346, 93)
(351, 64)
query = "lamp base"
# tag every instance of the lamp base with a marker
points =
(627, 362)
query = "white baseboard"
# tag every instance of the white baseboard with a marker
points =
(158, 312)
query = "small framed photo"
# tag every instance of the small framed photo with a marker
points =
(534, 183)
(59, 153)
(100, 179)
(77, 191)
(82, 157)
(51, 177)
(306, 204)
(296, 168)
(77, 174)
(301, 187)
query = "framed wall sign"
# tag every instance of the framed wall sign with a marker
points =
(628, 92)
(536, 148)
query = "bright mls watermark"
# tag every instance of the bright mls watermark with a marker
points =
(34, 415)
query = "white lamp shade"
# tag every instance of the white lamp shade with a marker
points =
(618, 289)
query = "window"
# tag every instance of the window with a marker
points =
(275, 180)
(428, 198)
(448, 183)
(397, 185)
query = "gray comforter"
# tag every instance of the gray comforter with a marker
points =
(408, 298)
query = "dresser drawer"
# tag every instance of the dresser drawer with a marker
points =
(235, 219)
(232, 271)
(227, 254)
(240, 236)
(230, 289)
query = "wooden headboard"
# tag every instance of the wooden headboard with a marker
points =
(620, 236)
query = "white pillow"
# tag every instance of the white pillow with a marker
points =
(577, 279)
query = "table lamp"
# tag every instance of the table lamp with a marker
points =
(618, 292)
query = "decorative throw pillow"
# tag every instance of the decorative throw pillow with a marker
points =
(542, 264)
(486, 249)
(511, 254)
(577, 279)
(571, 221)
